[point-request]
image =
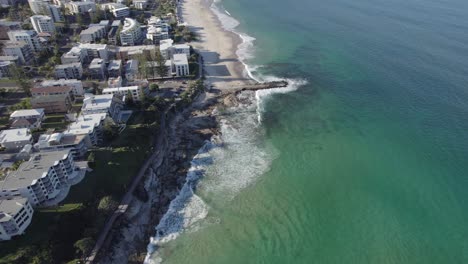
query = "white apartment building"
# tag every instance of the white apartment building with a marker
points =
(131, 33)
(69, 71)
(180, 65)
(97, 69)
(28, 36)
(181, 49)
(81, 7)
(45, 7)
(42, 23)
(92, 34)
(15, 216)
(102, 104)
(89, 125)
(75, 55)
(19, 49)
(118, 10)
(76, 85)
(135, 92)
(95, 50)
(165, 47)
(140, 4)
(15, 139)
(78, 144)
(114, 69)
(34, 118)
(40, 178)
(131, 70)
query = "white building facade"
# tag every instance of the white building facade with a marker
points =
(131, 33)
(15, 216)
(42, 23)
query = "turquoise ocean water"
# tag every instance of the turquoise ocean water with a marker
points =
(363, 160)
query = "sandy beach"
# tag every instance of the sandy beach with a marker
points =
(216, 45)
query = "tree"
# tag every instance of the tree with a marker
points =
(85, 245)
(91, 160)
(129, 99)
(107, 204)
(161, 68)
(154, 87)
(109, 132)
(19, 76)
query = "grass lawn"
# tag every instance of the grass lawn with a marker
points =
(57, 229)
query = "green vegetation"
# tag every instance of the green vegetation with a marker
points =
(63, 233)
(23, 104)
(21, 79)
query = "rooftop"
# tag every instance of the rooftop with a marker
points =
(129, 24)
(51, 90)
(59, 139)
(116, 89)
(14, 135)
(131, 65)
(92, 29)
(114, 65)
(60, 82)
(27, 112)
(15, 44)
(96, 63)
(92, 46)
(68, 65)
(180, 59)
(85, 123)
(33, 169)
(8, 58)
(165, 44)
(136, 49)
(92, 102)
(9, 208)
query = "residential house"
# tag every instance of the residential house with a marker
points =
(76, 85)
(77, 143)
(6, 26)
(27, 118)
(60, 103)
(15, 139)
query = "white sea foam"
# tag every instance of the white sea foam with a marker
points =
(221, 170)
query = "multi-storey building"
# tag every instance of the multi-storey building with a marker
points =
(81, 7)
(15, 139)
(40, 178)
(6, 26)
(114, 69)
(93, 51)
(76, 85)
(28, 36)
(42, 23)
(75, 55)
(131, 33)
(92, 34)
(19, 49)
(180, 65)
(97, 69)
(135, 92)
(69, 71)
(89, 125)
(110, 104)
(15, 216)
(27, 118)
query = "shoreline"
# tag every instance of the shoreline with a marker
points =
(188, 131)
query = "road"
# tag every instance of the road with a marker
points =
(157, 157)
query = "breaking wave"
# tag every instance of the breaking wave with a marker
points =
(229, 163)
